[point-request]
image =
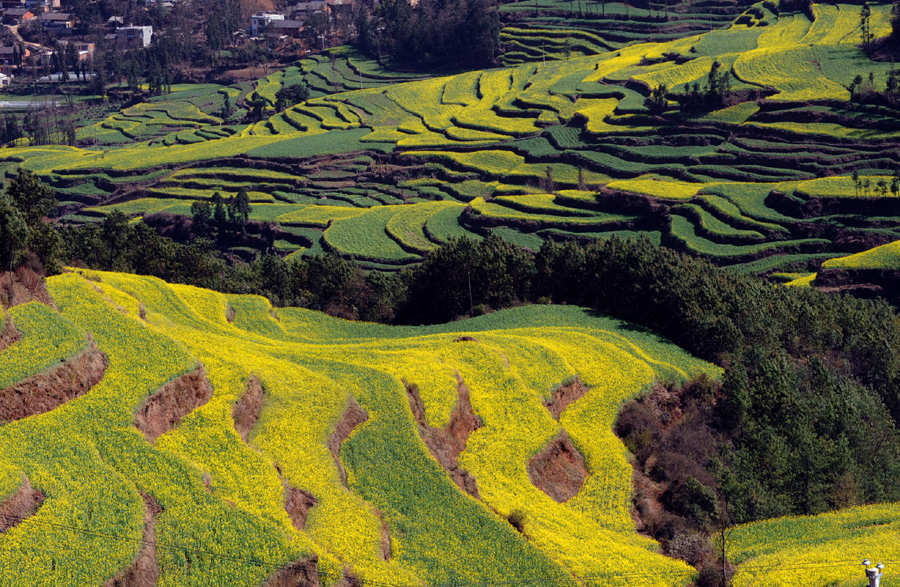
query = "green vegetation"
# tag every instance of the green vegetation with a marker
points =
(739, 183)
(311, 366)
(47, 340)
(618, 160)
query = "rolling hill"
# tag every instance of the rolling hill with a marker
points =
(217, 439)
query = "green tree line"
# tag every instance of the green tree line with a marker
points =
(805, 419)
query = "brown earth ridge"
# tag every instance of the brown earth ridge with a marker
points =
(22, 504)
(164, 409)
(447, 443)
(144, 570)
(47, 391)
(559, 470)
(354, 415)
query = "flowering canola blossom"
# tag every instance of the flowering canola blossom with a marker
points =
(399, 518)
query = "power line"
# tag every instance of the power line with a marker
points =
(596, 576)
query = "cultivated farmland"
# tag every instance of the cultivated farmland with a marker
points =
(244, 443)
(762, 182)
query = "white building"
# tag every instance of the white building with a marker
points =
(261, 20)
(134, 36)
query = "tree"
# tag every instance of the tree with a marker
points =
(895, 22)
(202, 215)
(149, 253)
(718, 86)
(865, 14)
(658, 99)
(46, 244)
(220, 217)
(114, 233)
(13, 233)
(31, 196)
(239, 210)
(290, 95)
(892, 85)
(9, 129)
(257, 106)
(435, 32)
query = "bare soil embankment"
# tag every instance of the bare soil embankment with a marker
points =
(164, 409)
(559, 470)
(44, 392)
(353, 416)
(24, 503)
(447, 443)
(144, 570)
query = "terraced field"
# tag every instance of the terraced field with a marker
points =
(827, 549)
(553, 150)
(228, 443)
(536, 30)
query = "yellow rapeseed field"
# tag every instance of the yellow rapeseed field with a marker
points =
(398, 518)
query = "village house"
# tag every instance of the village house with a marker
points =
(131, 37)
(261, 20)
(57, 21)
(83, 50)
(340, 8)
(288, 28)
(17, 16)
(37, 6)
(304, 10)
(5, 4)
(10, 56)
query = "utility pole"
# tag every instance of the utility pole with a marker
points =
(873, 574)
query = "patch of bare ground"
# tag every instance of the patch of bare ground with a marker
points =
(144, 570)
(385, 537)
(164, 409)
(229, 313)
(23, 285)
(303, 573)
(350, 580)
(8, 333)
(246, 410)
(447, 443)
(245, 414)
(297, 504)
(47, 391)
(24, 503)
(559, 469)
(564, 395)
(353, 416)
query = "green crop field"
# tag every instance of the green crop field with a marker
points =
(828, 547)
(886, 257)
(758, 176)
(223, 517)
(792, 175)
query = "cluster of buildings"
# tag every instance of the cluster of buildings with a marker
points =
(59, 25)
(48, 14)
(318, 20)
(295, 20)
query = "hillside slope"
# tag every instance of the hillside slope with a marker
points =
(229, 444)
(557, 150)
